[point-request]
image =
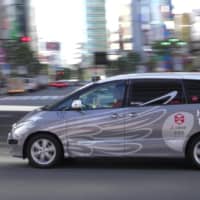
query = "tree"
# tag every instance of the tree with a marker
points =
(133, 60)
(125, 64)
(20, 54)
(67, 73)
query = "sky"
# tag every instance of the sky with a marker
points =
(182, 6)
(114, 10)
(64, 20)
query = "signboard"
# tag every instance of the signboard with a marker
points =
(6, 69)
(52, 46)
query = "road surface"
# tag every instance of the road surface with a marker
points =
(99, 179)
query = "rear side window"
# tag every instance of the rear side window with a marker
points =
(149, 92)
(192, 88)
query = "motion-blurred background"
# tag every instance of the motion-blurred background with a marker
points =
(42, 41)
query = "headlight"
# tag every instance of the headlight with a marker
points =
(20, 128)
(13, 126)
(17, 125)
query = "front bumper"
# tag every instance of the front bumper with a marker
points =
(12, 141)
(16, 150)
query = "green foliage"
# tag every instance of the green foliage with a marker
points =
(44, 69)
(67, 73)
(151, 63)
(125, 64)
(20, 54)
(161, 47)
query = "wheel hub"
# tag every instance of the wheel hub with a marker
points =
(43, 151)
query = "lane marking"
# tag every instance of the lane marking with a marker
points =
(18, 108)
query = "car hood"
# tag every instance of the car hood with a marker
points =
(40, 117)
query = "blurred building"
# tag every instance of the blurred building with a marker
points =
(153, 20)
(183, 26)
(96, 33)
(120, 40)
(16, 24)
(16, 19)
(32, 28)
(195, 38)
(16, 12)
(195, 33)
(7, 18)
(125, 24)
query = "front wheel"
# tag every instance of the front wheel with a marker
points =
(193, 153)
(44, 151)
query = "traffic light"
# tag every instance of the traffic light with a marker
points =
(173, 40)
(165, 43)
(25, 39)
(181, 43)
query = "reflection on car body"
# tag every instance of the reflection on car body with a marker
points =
(122, 116)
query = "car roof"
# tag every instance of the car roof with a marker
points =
(163, 75)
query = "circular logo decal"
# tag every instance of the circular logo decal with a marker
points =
(175, 128)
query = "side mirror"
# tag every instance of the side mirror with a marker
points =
(77, 104)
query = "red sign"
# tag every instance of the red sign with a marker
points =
(179, 119)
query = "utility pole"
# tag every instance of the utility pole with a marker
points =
(138, 44)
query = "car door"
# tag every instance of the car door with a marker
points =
(152, 102)
(98, 128)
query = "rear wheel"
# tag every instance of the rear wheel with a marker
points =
(44, 151)
(193, 153)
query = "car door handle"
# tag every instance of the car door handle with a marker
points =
(132, 114)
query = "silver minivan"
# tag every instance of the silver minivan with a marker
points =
(155, 114)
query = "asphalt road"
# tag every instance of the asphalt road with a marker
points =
(95, 179)
(99, 179)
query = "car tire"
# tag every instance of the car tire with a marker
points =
(193, 153)
(44, 151)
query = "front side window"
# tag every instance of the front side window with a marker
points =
(109, 95)
(156, 92)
